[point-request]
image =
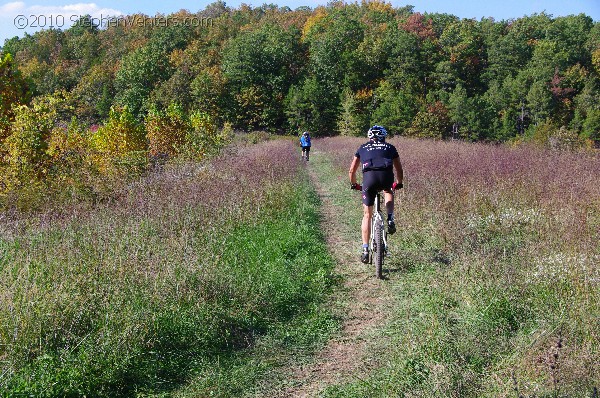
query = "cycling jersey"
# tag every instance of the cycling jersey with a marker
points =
(305, 141)
(377, 160)
(375, 155)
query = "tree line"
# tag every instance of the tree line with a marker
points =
(334, 69)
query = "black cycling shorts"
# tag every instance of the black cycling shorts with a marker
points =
(306, 148)
(374, 181)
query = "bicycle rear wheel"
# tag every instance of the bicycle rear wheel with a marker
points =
(378, 249)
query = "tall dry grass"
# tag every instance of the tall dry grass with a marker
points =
(497, 277)
(184, 267)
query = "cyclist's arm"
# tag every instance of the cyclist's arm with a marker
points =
(353, 167)
(399, 171)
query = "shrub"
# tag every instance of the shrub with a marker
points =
(549, 135)
(166, 131)
(120, 145)
(565, 139)
(71, 171)
(27, 160)
(204, 138)
(120, 135)
(591, 126)
(14, 91)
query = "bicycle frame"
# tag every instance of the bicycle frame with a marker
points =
(378, 235)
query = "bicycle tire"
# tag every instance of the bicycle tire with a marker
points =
(378, 250)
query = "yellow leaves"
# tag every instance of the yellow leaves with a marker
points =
(177, 58)
(205, 138)
(44, 154)
(318, 15)
(378, 6)
(120, 135)
(596, 60)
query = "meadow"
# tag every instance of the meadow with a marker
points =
(495, 273)
(177, 279)
(214, 278)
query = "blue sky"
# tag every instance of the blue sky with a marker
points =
(44, 12)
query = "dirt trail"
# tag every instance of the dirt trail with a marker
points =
(364, 300)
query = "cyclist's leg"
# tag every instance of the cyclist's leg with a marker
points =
(369, 185)
(366, 224)
(389, 201)
(388, 193)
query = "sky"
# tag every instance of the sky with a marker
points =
(18, 17)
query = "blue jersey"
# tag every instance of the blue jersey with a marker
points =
(376, 155)
(305, 140)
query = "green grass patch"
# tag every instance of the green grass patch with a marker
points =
(118, 306)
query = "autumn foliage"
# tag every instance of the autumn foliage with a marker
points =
(167, 91)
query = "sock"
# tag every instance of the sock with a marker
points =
(391, 216)
(365, 246)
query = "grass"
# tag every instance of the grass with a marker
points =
(494, 274)
(155, 293)
(197, 280)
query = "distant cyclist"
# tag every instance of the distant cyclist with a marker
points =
(379, 160)
(305, 144)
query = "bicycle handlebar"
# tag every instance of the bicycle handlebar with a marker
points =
(395, 186)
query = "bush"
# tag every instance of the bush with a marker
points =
(550, 136)
(71, 172)
(120, 145)
(591, 126)
(15, 91)
(205, 138)
(27, 160)
(166, 131)
(565, 139)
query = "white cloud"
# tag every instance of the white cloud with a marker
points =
(74, 9)
(10, 9)
(18, 17)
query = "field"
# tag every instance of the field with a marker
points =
(496, 279)
(215, 279)
(178, 277)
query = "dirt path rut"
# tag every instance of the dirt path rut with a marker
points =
(363, 302)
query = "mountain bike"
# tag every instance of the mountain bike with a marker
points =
(378, 248)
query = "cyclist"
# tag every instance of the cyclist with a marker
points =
(379, 160)
(305, 144)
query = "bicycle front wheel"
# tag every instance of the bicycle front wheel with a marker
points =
(378, 250)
